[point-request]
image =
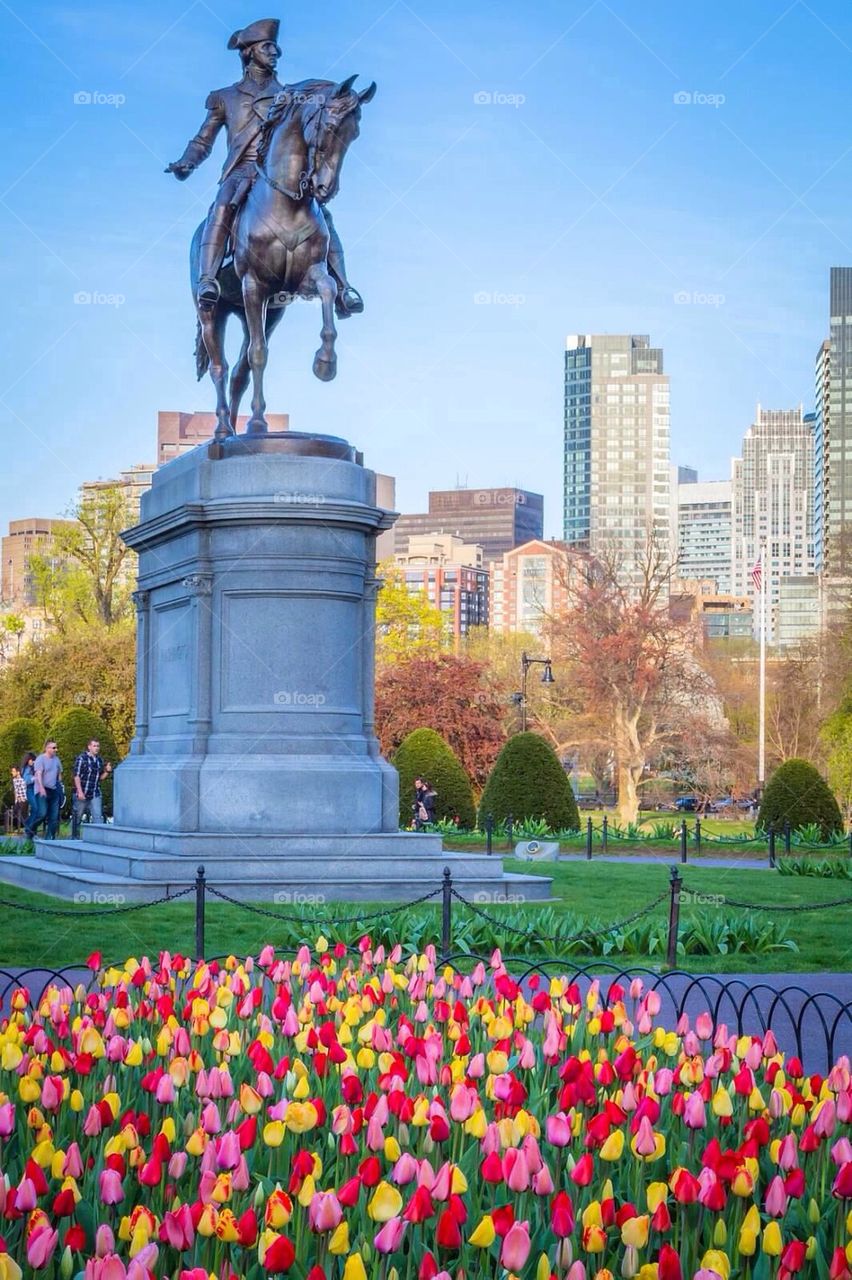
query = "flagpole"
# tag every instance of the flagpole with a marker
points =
(761, 757)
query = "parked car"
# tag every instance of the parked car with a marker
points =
(686, 804)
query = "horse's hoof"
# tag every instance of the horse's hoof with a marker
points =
(257, 425)
(325, 370)
(224, 432)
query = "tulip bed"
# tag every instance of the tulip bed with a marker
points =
(340, 1116)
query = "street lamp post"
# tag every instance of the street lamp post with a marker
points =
(547, 678)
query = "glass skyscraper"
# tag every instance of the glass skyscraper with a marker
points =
(616, 445)
(833, 451)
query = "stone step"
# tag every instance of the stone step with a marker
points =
(103, 888)
(199, 845)
(365, 860)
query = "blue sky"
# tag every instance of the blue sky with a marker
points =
(583, 197)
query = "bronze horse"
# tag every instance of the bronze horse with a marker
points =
(280, 243)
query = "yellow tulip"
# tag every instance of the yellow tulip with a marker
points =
(301, 1117)
(772, 1240)
(635, 1231)
(613, 1146)
(655, 1194)
(716, 1260)
(386, 1203)
(354, 1268)
(392, 1150)
(720, 1232)
(542, 1271)
(721, 1102)
(484, 1234)
(9, 1269)
(274, 1133)
(338, 1241)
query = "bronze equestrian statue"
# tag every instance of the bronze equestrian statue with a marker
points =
(269, 237)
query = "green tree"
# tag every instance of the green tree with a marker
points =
(408, 625)
(425, 754)
(528, 781)
(837, 736)
(16, 737)
(88, 573)
(92, 668)
(797, 793)
(73, 732)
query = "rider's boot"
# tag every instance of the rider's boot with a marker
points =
(214, 241)
(349, 301)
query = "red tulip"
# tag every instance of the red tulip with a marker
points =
(74, 1239)
(839, 1268)
(503, 1217)
(562, 1215)
(448, 1234)
(583, 1171)
(280, 1255)
(420, 1206)
(669, 1264)
(428, 1268)
(842, 1185)
(793, 1257)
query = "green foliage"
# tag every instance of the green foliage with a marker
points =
(425, 754)
(824, 869)
(798, 794)
(16, 737)
(528, 782)
(837, 735)
(73, 731)
(408, 625)
(93, 667)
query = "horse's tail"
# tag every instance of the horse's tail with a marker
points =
(202, 359)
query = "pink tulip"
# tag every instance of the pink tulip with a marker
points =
(177, 1229)
(110, 1187)
(646, 1142)
(476, 1066)
(109, 1267)
(267, 956)
(93, 1124)
(463, 1103)
(325, 1211)
(637, 986)
(443, 1184)
(788, 1155)
(52, 1093)
(841, 1152)
(228, 1150)
(704, 1026)
(7, 1119)
(531, 1150)
(663, 1081)
(240, 1179)
(211, 1121)
(104, 1241)
(25, 1196)
(389, 1238)
(577, 1271)
(558, 1130)
(516, 1170)
(694, 1112)
(542, 1183)
(516, 1247)
(165, 1089)
(844, 1106)
(72, 1165)
(826, 1121)
(776, 1198)
(177, 1165)
(140, 1267)
(41, 1246)
(405, 1170)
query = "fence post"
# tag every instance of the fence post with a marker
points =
(446, 914)
(200, 883)
(604, 833)
(770, 832)
(697, 835)
(489, 833)
(510, 824)
(675, 883)
(683, 839)
(589, 834)
(787, 836)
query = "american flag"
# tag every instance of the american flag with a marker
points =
(757, 572)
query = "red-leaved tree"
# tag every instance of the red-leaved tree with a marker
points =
(454, 696)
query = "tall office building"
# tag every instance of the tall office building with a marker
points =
(25, 539)
(494, 519)
(451, 575)
(703, 532)
(530, 584)
(616, 470)
(833, 452)
(772, 508)
(131, 483)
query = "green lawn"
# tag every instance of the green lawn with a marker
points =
(605, 891)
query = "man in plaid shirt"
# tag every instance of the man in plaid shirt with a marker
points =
(89, 770)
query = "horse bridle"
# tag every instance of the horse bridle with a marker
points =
(315, 155)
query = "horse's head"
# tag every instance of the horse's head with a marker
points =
(330, 131)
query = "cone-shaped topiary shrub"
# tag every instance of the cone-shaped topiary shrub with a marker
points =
(797, 793)
(425, 754)
(528, 781)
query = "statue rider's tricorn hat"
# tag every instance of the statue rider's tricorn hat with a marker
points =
(255, 32)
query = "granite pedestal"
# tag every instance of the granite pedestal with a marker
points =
(255, 750)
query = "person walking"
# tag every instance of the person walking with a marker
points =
(421, 814)
(428, 799)
(19, 801)
(48, 791)
(28, 778)
(89, 773)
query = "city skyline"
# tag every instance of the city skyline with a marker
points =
(675, 230)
